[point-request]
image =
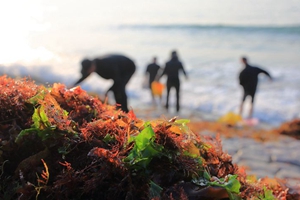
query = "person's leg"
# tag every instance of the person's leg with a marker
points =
(124, 106)
(131, 69)
(252, 105)
(169, 85)
(251, 111)
(160, 99)
(152, 95)
(177, 87)
(153, 99)
(124, 98)
(242, 103)
(120, 97)
(241, 108)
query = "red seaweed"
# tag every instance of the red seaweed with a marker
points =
(59, 143)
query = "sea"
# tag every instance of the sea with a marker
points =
(46, 40)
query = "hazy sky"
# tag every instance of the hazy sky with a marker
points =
(23, 19)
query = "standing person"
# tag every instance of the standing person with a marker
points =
(152, 71)
(172, 69)
(116, 67)
(248, 80)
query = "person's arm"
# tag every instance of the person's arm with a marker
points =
(266, 73)
(158, 74)
(240, 79)
(110, 89)
(164, 72)
(80, 80)
(87, 68)
(147, 70)
(183, 70)
(146, 78)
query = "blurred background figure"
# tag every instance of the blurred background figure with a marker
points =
(151, 75)
(248, 80)
(171, 70)
(116, 67)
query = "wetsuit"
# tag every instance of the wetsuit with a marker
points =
(249, 78)
(152, 69)
(116, 67)
(172, 71)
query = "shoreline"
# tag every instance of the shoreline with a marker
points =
(150, 112)
(212, 124)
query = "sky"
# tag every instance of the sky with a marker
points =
(24, 22)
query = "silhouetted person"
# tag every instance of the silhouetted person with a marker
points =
(116, 67)
(172, 69)
(248, 80)
(152, 71)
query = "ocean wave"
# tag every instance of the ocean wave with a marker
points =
(285, 29)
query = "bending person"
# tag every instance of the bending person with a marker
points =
(116, 67)
(248, 79)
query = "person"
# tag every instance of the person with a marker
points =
(152, 71)
(248, 79)
(116, 67)
(171, 70)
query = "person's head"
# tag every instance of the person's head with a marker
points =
(244, 60)
(154, 59)
(86, 67)
(174, 55)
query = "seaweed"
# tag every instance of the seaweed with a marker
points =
(291, 128)
(59, 143)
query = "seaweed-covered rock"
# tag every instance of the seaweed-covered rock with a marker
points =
(291, 128)
(58, 143)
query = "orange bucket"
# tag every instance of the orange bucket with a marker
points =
(157, 88)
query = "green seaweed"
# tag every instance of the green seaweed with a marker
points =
(268, 195)
(108, 138)
(154, 190)
(232, 185)
(35, 99)
(144, 149)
